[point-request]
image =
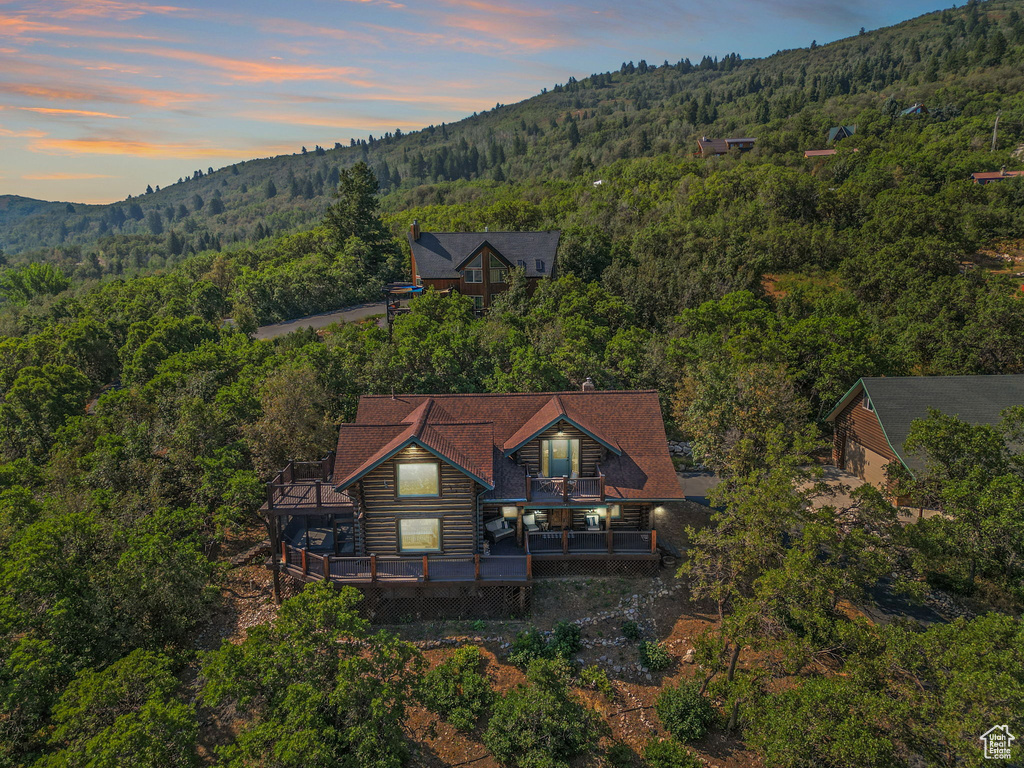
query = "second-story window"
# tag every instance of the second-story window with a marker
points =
(475, 271)
(419, 479)
(499, 272)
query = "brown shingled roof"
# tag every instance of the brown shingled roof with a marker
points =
(474, 431)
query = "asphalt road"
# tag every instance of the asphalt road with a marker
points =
(358, 312)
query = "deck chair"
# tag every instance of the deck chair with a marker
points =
(530, 523)
(593, 522)
(499, 529)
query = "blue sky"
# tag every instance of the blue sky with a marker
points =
(99, 98)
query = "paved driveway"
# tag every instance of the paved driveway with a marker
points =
(358, 312)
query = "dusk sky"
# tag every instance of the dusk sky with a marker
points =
(99, 98)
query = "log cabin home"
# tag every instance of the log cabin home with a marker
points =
(476, 264)
(872, 421)
(479, 490)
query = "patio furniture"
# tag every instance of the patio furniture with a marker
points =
(593, 522)
(530, 523)
(499, 529)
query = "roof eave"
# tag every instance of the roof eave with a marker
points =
(345, 483)
(562, 417)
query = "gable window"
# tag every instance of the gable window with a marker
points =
(867, 404)
(475, 271)
(419, 479)
(499, 272)
(559, 456)
(420, 535)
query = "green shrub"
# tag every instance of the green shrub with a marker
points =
(531, 644)
(528, 646)
(619, 755)
(565, 640)
(631, 630)
(596, 678)
(541, 724)
(684, 711)
(669, 753)
(456, 690)
(655, 656)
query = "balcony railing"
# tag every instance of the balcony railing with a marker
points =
(568, 542)
(374, 569)
(306, 485)
(565, 488)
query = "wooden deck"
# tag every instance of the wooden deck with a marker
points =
(374, 569)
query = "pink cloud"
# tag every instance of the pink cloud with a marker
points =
(71, 112)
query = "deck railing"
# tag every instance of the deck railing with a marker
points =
(305, 484)
(374, 569)
(566, 488)
(568, 542)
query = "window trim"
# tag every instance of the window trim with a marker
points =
(575, 452)
(398, 492)
(440, 534)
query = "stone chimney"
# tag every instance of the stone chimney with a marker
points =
(588, 385)
(1002, 171)
(414, 230)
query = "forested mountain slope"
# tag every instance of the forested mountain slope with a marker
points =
(961, 63)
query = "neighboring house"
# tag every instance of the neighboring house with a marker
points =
(915, 109)
(841, 132)
(490, 489)
(988, 177)
(710, 147)
(477, 263)
(873, 419)
(822, 152)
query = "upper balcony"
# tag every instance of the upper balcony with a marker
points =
(566, 488)
(304, 487)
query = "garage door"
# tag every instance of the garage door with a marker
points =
(865, 463)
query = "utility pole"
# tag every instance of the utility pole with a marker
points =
(995, 130)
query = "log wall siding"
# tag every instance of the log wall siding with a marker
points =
(456, 506)
(860, 425)
(591, 451)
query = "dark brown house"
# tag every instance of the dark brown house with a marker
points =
(873, 419)
(486, 488)
(477, 263)
(710, 147)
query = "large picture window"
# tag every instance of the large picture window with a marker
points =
(420, 535)
(498, 270)
(420, 479)
(475, 271)
(559, 457)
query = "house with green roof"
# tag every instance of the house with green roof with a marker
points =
(872, 421)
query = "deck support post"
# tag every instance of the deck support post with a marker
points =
(608, 537)
(529, 566)
(565, 541)
(426, 569)
(373, 567)
(327, 568)
(476, 567)
(654, 541)
(305, 561)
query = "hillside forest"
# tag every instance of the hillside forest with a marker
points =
(140, 419)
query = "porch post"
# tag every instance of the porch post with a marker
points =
(608, 534)
(565, 541)
(565, 489)
(519, 524)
